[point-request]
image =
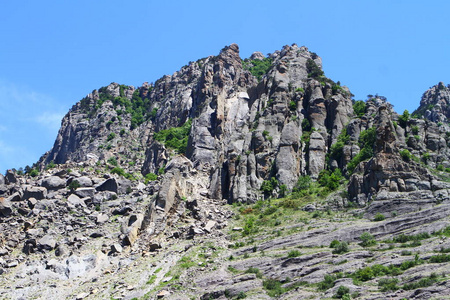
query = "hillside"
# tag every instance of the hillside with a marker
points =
(234, 178)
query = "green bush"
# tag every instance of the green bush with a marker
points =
(258, 67)
(175, 137)
(440, 168)
(255, 271)
(150, 177)
(294, 253)
(268, 186)
(441, 258)
(366, 143)
(341, 292)
(111, 136)
(330, 180)
(293, 105)
(406, 155)
(112, 161)
(273, 287)
(404, 118)
(388, 284)
(33, 172)
(359, 108)
(118, 171)
(313, 70)
(74, 184)
(340, 248)
(328, 281)
(367, 239)
(424, 282)
(415, 129)
(379, 217)
(337, 149)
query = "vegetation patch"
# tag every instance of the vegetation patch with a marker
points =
(175, 137)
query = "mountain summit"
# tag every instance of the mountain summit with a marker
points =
(234, 178)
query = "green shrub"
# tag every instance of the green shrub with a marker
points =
(440, 168)
(293, 105)
(441, 258)
(388, 284)
(359, 108)
(241, 295)
(255, 271)
(33, 172)
(341, 248)
(175, 137)
(366, 143)
(415, 129)
(424, 282)
(150, 177)
(299, 90)
(111, 136)
(337, 149)
(294, 253)
(112, 161)
(313, 70)
(367, 239)
(379, 217)
(74, 184)
(404, 118)
(257, 67)
(328, 281)
(341, 292)
(334, 243)
(273, 287)
(330, 180)
(364, 274)
(268, 186)
(406, 155)
(118, 171)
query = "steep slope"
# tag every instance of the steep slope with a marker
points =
(133, 199)
(244, 130)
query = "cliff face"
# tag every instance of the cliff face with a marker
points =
(245, 128)
(89, 225)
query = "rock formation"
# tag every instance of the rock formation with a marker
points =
(206, 183)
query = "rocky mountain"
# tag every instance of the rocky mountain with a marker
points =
(234, 179)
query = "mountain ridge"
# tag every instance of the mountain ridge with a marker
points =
(234, 179)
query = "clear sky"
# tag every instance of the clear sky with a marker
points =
(53, 53)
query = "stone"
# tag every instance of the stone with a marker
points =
(16, 197)
(53, 183)
(75, 201)
(162, 294)
(47, 242)
(38, 193)
(5, 207)
(108, 185)
(209, 226)
(116, 248)
(85, 192)
(84, 181)
(10, 177)
(101, 218)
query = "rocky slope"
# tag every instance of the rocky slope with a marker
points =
(134, 199)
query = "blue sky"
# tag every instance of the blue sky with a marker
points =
(53, 53)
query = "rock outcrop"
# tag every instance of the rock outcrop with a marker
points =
(133, 195)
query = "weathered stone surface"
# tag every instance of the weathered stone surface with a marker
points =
(47, 242)
(5, 207)
(10, 177)
(38, 193)
(53, 183)
(108, 185)
(86, 192)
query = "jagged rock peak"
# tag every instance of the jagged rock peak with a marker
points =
(435, 103)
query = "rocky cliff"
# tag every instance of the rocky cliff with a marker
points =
(206, 183)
